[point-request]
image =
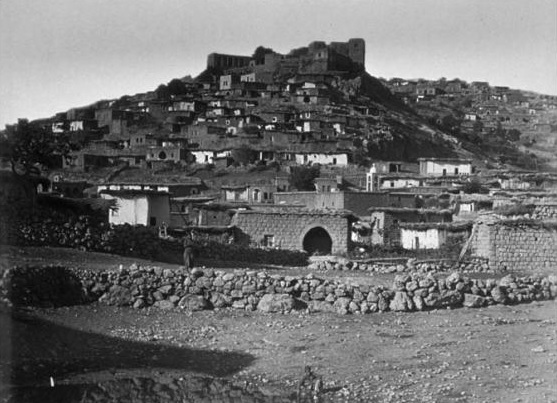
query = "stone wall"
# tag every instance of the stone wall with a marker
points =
(288, 228)
(516, 244)
(140, 287)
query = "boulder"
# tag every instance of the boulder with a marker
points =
(193, 303)
(401, 302)
(341, 305)
(473, 301)
(444, 299)
(276, 303)
(499, 295)
(320, 306)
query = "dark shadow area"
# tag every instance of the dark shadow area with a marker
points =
(189, 389)
(33, 350)
(318, 240)
(45, 286)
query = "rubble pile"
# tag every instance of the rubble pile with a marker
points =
(199, 289)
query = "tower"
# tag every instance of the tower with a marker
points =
(357, 51)
(370, 179)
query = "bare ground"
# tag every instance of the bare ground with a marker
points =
(495, 354)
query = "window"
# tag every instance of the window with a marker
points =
(334, 161)
(153, 221)
(268, 241)
(456, 171)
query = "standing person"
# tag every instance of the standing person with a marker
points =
(188, 251)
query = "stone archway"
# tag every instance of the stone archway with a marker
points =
(318, 239)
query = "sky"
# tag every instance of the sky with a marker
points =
(59, 54)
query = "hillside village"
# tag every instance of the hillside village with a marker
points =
(391, 164)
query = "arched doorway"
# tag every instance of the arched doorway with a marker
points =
(318, 240)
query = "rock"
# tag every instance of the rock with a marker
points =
(364, 307)
(193, 303)
(400, 281)
(453, 279)
(382, 304)
(499, 295)
(174, 298)
(426, 282)
(473, 301)
(220, 300)
(117, 295)
(165, 289)
(139, 303)
(412, 285)
(372, 297)
(276, 303)
(353, 307)
(240, 304)
(507, 281)
(341, 305)
(418, 302)
(320, 306)
(401, 302)
(444, 299)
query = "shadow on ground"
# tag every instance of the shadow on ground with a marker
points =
(33, 350)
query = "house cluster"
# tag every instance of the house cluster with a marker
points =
(290, 110)
(483, 108)
(279, 107)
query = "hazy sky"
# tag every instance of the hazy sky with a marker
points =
(59, 54)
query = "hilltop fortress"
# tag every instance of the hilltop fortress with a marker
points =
(317, 57)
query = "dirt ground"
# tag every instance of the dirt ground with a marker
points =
(495, 354)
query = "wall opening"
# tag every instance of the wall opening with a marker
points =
(318, 240)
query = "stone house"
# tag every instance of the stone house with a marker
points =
(433, 235)
(356, 202)
(314, 231)
(445, 166)
(323, 158)
(326, 184)
(165, 154)
(385, 222)
(138, 207)
(206, 156)
(187, 187)
(253, 193)
(200, 211)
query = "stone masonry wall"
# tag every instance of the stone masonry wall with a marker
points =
(289, 228)
(517, 245)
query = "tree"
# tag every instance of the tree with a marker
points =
(259, 54)
(474, 186)
(244, 155)
(302, 178)
(31, 147)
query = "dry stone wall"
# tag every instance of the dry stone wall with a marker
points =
(140, 287)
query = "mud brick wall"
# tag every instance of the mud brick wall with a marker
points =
(517, 245)
(290, 228)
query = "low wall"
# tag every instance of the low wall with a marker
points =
(141, 287)
(402, 265)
